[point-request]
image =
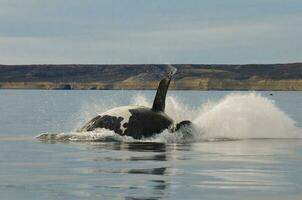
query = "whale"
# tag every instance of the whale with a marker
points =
(139, 121)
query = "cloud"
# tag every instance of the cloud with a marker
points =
(138, 32)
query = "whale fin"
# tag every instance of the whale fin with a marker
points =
(159, 102)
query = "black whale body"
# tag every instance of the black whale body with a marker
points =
(143, 122)
(138, 121)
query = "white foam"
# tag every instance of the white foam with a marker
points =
(244, 116)
(236, 116)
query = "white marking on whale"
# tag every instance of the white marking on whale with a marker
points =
(123, 112)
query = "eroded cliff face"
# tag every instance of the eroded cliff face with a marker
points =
(193, 84)
(267, 84)
(189, 77)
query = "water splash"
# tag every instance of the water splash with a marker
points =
(245, 116)
(171, 70)
(236, 116)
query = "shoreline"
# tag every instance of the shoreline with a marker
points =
(270, 77)
(194, 85)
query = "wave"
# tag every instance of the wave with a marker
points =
(234, 117)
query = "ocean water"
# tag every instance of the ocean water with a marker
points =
(246, 145)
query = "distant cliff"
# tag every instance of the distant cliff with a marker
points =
(189, 77)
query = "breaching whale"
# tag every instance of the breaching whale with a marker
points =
(138, 121)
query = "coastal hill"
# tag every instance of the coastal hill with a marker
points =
(190, 77)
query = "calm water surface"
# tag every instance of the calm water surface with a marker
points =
(241, 169)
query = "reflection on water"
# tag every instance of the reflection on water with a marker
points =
(152, 171)
(114, 170)
(167, 171)
(135, 170)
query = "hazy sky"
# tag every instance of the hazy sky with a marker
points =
(150, 31)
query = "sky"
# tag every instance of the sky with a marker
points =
(150, 31)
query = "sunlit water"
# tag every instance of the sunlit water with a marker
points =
(245, 146)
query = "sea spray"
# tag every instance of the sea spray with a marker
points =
(244, 116)
(236, 116)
